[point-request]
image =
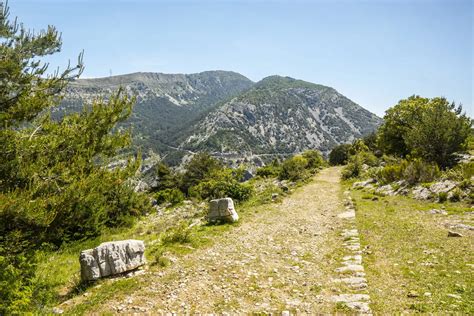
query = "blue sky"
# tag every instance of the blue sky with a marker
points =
(374, 52)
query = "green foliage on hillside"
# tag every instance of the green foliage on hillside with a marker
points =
(296, 168)
(413, 172)
(54, 186)
(339, 155)
(431, 129)
(223, 183)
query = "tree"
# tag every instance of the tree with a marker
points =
(339, 154)
(199, 168)
(398, 121)
(441, 131)
(54, 183)
(431, 129)
(165, 177)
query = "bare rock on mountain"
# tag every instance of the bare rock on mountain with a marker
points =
(281, 115)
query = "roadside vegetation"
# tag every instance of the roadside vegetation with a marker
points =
(412, 183)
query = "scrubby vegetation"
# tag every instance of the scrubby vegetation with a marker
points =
(421, 141)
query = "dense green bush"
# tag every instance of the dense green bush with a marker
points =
(413, 172)
(314, 158)
(357, 163)
(198, 169)
(431, 129)
(294, 168)
(165, 177)
(339, 155)
(223, 183)
(268, 171)
(172, 196)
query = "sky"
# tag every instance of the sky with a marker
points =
(374, 52)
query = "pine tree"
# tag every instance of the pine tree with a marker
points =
(54, 183)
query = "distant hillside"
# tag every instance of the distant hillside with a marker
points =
(281, 115)
(228, 115)
(166, 103)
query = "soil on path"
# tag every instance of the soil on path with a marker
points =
(280, 258)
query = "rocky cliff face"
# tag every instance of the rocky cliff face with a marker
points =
(227, 114)
(282, 115)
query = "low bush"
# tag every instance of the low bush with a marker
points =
(172, 196)
(294, 168)
(413, 172)
(460, 172)
(221, 184)
(442, 197)
(269, 171)
(456, 195)
(358, 164)
(339, 155)
(314, 158)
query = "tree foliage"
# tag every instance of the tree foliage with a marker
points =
(199, 168)
(431, 129)
(339, 154)
(54, 183)
(441, 131)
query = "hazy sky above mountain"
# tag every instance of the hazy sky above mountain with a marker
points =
(374, 52)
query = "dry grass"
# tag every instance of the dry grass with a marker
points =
(411, 263)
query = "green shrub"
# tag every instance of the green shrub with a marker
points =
(339, 155)
(165, 177)
(221, 184)
(442, 197)
(390, 173)
(314, 158)
(460, 172)
(419, 171)
(199, 168)
(17, 271)
(269, 171)
(456, 195)
(181, 234)
(413, 172)
(294, 168)
(172, 196)
(355, 167)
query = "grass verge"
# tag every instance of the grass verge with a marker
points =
(411, 263)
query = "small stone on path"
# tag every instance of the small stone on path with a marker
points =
(453, 234)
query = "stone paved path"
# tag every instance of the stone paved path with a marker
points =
(351, 273)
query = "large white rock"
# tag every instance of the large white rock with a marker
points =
(222, 210)
(111, 258)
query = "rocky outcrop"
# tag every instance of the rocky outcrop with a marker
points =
(282, 115)
(111, 258)
(222, 210)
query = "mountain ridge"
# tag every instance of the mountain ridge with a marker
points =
(226, 113)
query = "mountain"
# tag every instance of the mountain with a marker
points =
(281, 115)
(228, 115)
(166, 103)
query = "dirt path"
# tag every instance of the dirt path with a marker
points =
(281, 259)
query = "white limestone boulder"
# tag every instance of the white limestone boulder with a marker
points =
(111, 258)
(222, 210)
